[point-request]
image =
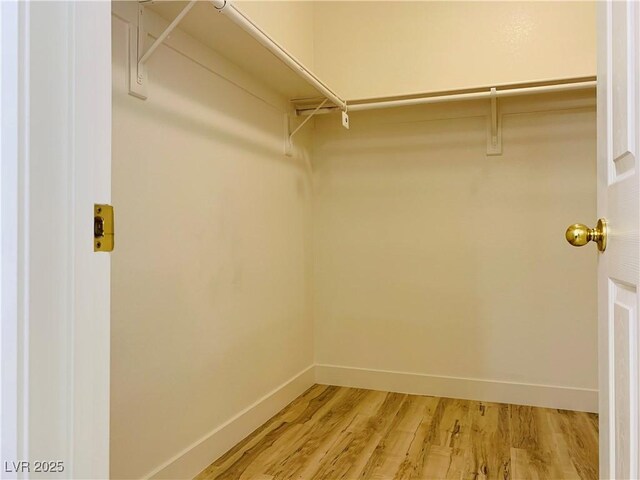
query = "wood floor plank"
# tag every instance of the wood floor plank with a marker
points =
(489, 456)
(308, 452)
(524, 434)
(569, 471)
(260, 463)
(592, 420)
(581, 441)
(413, 464)
(437, 463)
(532, 433)
(338, 433)
(321, 391)
(450, 428)
(302, 409)
(326, 458)
(520, 466)
(349, 455)
(389, 459)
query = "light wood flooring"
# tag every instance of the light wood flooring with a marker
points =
(336, 433)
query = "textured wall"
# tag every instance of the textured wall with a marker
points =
(433, 258)
(369, 49)
(211, 274)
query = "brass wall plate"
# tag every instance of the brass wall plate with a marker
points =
(103, 231)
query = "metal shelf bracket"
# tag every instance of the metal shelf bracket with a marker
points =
(345, 118)
(494, 127)
(138, 59)
(288, 145)
(137, 73)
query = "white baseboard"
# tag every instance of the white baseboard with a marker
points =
(196, 457)
(579, 399)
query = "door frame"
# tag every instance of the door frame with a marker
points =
(55, 163)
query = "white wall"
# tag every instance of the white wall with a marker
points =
(435, 259)
(381, 48)
(290, 23)
(211, 293)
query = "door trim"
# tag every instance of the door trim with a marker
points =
(56, 162)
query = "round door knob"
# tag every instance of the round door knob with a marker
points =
(579, 235)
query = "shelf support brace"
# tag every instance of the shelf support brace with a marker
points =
(494, 127)
(288, 147)
(345, 118)
(137, 59)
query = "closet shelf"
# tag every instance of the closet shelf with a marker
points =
(221, 26)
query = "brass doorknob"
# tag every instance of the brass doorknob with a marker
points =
(579, 234)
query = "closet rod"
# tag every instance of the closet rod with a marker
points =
(227, 8)
(455, 97)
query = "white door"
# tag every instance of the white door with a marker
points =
(619, 265)
(55, 144)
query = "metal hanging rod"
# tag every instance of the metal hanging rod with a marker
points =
(456, 97)
(227, 8)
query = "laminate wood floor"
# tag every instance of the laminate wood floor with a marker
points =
(336, 433)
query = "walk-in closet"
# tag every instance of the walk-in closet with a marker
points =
(341, 247)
